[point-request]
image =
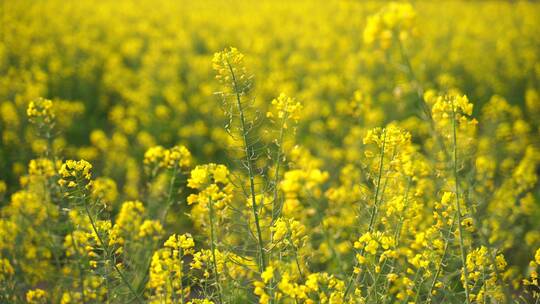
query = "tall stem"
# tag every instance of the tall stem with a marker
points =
(492, 257)
(108, 253)
(162, 219)
(420, 95)
(373, 211)
(458, 209)
(275, 204)
(418, 88)
(441, 264)
(397, 236)
(170, 196)
(276, 172)
(249, 165)
(377, 189)
(213, 248)
(81, 271)
(180, 253)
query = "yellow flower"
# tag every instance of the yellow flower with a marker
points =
(36, 296)
(40, 111)
(150, 228)
(372, 246)
(286, 108)
(288, 232)
(184, 242)
(75, 173)
(175, 157)
(393, 21)
(104, 189)
(230, 70)
(267, 274)
(154, 156)
(41, 167)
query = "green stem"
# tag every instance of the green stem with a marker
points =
(493, 260)
(81, 271)
(484, 281)
(373, 212)
(458, 209)
(108, 282)
(419, 90)
(417, 296)
(169, 202)
(416, 276)
(108, 253)
(276, 172)
(397, 236)
(441, 264)
(173, 293)
(181, 276)
(213, 248)
(420, 95)
(276, 208)
(379, 178)
(249, 163)
(162, 219)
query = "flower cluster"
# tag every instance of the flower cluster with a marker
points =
(175, 157)
(370, 243)
(288, 232)
(40, 111)
(285, 108)
(167, 271)
(231, 71)
(215, 191)
(483, 274)
(450, 112)
(41, 167)
(75, 174)
(205, 176)
(36, 296)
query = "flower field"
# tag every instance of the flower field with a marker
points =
(272, 152)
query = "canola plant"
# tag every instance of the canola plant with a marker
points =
(269, 152)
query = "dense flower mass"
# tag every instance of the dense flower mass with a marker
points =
(394, 21)
(272, 152)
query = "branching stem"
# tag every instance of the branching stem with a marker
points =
(213, 248)
(108, 253)
(458, 209)
(250, 169)
(373, 212)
